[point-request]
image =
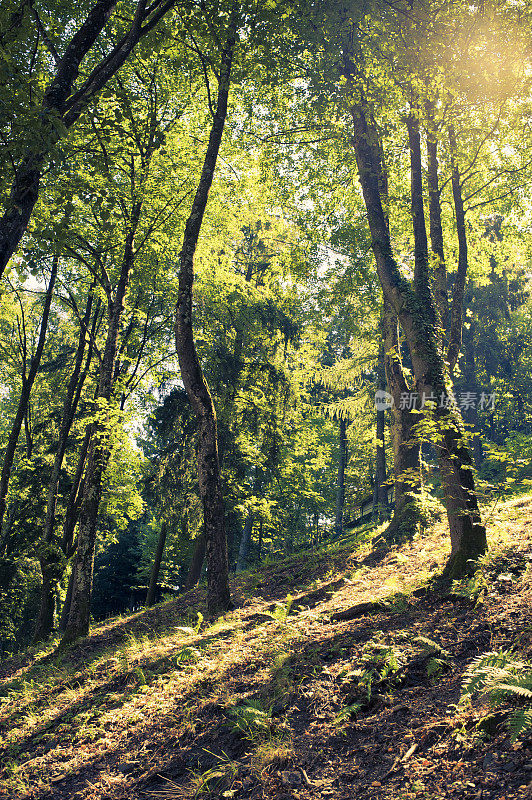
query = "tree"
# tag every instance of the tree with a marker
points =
(416, 312)
(63, 99)
(189, 364)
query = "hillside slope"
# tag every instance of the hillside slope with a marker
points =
(278, 700)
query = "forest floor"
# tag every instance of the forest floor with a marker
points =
(264, 703)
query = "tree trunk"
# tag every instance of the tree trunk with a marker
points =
(406, 445)
(419, 320)
(380, 494)
(27, 385)
(259, 545)
(98, 453)
(194, 570)
(52, 558)
(470, 413)
(154, 577)
(52, 572)
(245, 543)
(455, 328)
(75, 498)
(226, 432)
(441, 297)
(340, 480)
(65, 611)
(191, 372)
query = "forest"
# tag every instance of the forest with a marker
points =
(266, 398)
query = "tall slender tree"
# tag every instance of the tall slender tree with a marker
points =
(191, 372)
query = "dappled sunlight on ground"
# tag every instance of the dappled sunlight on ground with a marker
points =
(157, 703)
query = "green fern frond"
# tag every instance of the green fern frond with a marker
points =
(430, 647)
(520, 722)
(512, 689)
(502, 678)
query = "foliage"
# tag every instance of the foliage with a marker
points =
(251, 720)
(501, 678)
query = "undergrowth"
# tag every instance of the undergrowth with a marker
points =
(501, 678)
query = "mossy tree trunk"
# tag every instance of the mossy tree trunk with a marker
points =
(406, 445)
(416, 312)
(470, 412)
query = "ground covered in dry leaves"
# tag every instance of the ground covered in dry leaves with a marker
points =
(267, 701)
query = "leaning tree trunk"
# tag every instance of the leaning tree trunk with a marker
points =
(154, 577)
(340, 479)
(419, 320)
(218, 597)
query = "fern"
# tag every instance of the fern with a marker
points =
(251, 720)
(520, 722)
(282, 610)
(430, 647)
(348, 711)
(501, 678)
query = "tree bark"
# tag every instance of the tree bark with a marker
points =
(340, 479)
(455, 327)
(441, 297)
(75, 498)
(154, 577)
(191, 372)
(225, 437)
(470, 414)
(98, 453)
(194, 570)
(65, 611)
(52, 558)
(422, 285)
(419, 320)
(406, 445)
(380, 494)
(245, 543)
(259, 545)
